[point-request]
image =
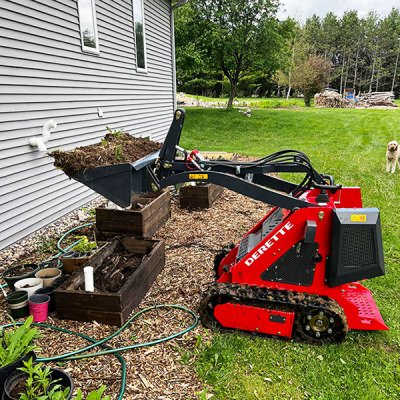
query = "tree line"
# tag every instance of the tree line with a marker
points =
(240, 48)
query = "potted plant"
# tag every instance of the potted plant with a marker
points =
(30, 285)
(32, 381)
(48, 275)
(17, 345)
(49, 290)
(79, 254)
(18, 272)
(18, 304)
(39, 307)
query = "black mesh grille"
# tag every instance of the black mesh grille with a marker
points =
(296, 266)
(358, 249)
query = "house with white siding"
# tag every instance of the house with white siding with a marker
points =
(83, 65)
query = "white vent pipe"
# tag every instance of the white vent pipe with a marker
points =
(40, 141)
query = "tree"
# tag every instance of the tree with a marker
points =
(311, 76)
(239, 37)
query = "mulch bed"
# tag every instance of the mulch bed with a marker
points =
(157, 373)
(117, 148)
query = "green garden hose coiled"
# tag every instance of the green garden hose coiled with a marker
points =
(77, 354)
(82, 352)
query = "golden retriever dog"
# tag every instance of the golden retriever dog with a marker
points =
(392, 156)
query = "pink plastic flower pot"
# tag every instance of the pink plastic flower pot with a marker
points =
(39, 307)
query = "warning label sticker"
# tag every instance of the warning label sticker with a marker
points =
(198, 176)
(358, 218)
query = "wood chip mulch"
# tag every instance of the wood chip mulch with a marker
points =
(158, 373)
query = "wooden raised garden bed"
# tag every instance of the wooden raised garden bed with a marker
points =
(127, 269)
(148, 213)
(203, 195)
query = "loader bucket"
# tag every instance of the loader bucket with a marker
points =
(118, 182)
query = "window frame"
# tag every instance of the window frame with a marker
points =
(140, 69)
(86, 49)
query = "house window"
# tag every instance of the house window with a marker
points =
(140, 38)
(87, 22)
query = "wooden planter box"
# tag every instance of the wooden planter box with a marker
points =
(113, 308)
(199, 196)
(143, 222)
(204, 195)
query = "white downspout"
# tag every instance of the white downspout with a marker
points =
(173, 57)
(178, 4)
(40, 141)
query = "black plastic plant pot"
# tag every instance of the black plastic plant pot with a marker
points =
(11, 275)
(18, 304)
(6, 371)
(14, 385)
(55, 263)
(49, 290)
(72, 254)
(59, 377)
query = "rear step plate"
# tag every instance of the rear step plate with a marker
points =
(369, 318)
(255, 319)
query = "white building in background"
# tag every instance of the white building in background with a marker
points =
(84, 64)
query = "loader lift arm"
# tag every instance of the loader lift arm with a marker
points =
(159, 170)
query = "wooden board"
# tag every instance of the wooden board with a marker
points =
(113, 308)
(140, 223)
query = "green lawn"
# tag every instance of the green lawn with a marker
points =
(256, 102)
(350, 144)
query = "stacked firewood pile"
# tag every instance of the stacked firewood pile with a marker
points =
(331, 99)
(382, 99)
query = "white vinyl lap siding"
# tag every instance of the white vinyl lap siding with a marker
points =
(45, 75)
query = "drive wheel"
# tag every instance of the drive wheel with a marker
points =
(321, 325)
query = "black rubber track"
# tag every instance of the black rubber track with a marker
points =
(301, 303)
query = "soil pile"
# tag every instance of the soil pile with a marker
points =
(114, 148)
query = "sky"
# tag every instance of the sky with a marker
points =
(303, 9)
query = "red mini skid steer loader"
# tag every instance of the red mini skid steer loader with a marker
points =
(295, 274)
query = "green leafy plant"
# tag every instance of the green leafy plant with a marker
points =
(90, 211)
(116, 133)
(104, 142)
(94, 395)
(39, 385)
(119, 153)
(47, 246)
(17, 342)
(85, 245)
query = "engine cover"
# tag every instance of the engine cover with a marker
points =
(356, 247)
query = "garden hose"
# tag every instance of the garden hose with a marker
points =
(63, 236)
(77, 354)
